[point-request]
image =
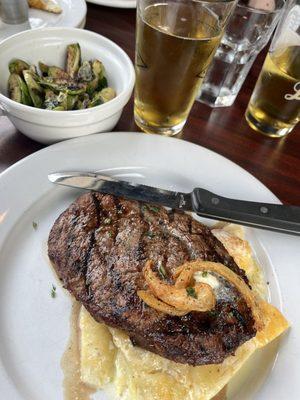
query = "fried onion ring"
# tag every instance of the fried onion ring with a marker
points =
(178, 297)
(185, 273)
(158, 305)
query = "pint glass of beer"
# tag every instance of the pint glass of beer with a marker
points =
(175, 42)
(274, 108)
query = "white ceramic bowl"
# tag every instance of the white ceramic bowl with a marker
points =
(49, 45)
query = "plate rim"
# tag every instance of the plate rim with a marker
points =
(77, 19)
(159, 137)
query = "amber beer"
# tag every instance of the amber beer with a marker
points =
(274, 108)
(174, 46)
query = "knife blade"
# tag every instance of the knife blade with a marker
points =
(274, 217)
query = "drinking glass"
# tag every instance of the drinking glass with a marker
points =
(175, 42)
(14, 11)
(274, 108)
(13, 17)
(247, 32)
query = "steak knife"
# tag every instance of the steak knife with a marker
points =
(274, 217)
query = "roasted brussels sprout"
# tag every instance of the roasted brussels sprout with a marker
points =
(73, 59)
(82, 85)
(83, 101)
(103, 96)
(34, 88)
(56, 72)
(58, 108)
(71, 101)
(44, 68)
(54, 101)
(17, 67)
(107, 94)
(63, 85)
(99, 80)
(85, 72)
(32, 68)
(18, 90)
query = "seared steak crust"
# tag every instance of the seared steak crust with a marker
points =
(99, 246)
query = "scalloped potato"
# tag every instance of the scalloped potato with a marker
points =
(107, 354)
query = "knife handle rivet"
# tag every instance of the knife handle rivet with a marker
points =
(215, 200)
(264, 210)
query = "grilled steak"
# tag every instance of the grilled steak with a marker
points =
(99, 246)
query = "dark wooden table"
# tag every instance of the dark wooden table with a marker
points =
(275, 162)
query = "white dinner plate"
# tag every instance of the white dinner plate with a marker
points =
(34, 327)
(73, 15)
(115, 3)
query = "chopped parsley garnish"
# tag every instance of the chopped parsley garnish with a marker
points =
(162, 272)
(238, 316)
(150, 234)
(149, 207)
(34, 225)
(204, 274)
(213, 313)
(191, 292)
(53, 292)
(154, 209)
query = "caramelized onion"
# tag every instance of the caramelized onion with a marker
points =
(179, 298)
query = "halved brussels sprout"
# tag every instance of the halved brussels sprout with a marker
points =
(34, 88)
(81, 85)
(85, 72)
(43, 68)
(18, 66)
(103, 96)
(18, 90)
(63, 85)
(73, 59)
(56, 72)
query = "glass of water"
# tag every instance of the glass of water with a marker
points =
(248, 31)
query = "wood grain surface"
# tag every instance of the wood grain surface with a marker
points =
(275, 162)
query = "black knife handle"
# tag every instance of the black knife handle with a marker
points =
(279, 218)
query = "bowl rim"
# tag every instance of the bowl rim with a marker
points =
(116, 103)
